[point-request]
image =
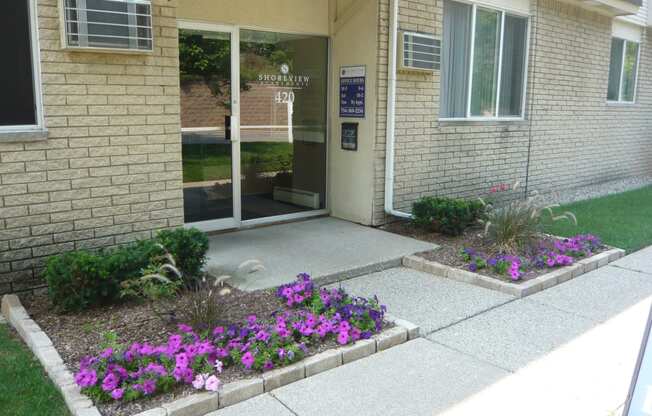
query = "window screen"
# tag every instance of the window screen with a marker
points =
(17, 103)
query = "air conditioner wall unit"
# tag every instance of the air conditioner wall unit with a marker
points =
(418, 52)
(107, 25)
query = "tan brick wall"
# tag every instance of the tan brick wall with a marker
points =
(110, 170)
(576, 138)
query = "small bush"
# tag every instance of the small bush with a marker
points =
(188, 247)
(446, 215)
(80, 279)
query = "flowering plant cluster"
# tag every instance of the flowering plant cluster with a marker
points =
(309, 316)
(548, 254)
(503, 264)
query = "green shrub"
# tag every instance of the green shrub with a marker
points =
(446, 215)
(188, 247)
(81, 279)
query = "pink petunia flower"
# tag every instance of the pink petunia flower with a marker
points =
(199, 381)
(212, 383)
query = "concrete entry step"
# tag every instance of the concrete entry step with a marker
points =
(326, 248)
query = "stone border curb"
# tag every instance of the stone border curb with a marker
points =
(519, 290)
(41, 346)
(198, 404)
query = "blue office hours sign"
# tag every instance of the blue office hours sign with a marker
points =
(352, 91)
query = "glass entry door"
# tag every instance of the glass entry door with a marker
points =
(253, 125)
(283, 123)
(208, 58)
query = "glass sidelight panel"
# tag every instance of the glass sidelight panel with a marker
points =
(283, 110)
(205, 70)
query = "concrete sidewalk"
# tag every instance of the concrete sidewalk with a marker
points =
(324, 247)
(569, 350)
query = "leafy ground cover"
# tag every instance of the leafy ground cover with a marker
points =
(25, 388)
(621, 220)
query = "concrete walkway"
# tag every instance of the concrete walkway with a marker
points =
(324, 247)
(569, 350)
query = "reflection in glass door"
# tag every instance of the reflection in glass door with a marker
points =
(206, 120)
(283, 105)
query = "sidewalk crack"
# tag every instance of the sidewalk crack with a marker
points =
(427, 334)
(271, 393)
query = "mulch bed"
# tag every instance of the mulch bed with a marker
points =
(76, 335)
(450, 247)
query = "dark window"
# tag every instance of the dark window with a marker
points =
(17, 106)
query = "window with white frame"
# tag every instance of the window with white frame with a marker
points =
(484, 59)
(623, 70)
(19, 104)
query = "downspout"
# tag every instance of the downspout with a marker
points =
(391, 113)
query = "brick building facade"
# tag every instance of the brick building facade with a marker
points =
(110, 169)
(570, 136)
(105, 167)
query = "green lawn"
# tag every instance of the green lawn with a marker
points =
(621, 220)
(25, 389)
(205, 162)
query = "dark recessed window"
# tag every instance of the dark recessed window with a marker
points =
(17, 96)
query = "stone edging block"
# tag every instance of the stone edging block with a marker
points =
(519, 290)
(199, 404)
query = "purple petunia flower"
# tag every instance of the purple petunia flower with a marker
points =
(263, 335)
(110, 382)
(343, 338)
(268, 365)
(149, 387)
(86, 378)
(185, 328)
(117, 394)
(106, 354)
(247, 360)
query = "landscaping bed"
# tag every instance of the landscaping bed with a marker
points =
(460, 252)
(142, 326)
(123, 355)
(81, 334)
(500, 241)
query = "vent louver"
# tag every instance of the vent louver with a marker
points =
(419, 52)
(108, 24)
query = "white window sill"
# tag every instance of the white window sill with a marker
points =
(620, 103)
(30, 135)
(480, 120)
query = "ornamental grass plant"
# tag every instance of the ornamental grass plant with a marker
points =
(518, 223)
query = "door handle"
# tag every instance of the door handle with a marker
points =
(235, 128)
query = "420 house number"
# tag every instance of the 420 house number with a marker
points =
(284, 97)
